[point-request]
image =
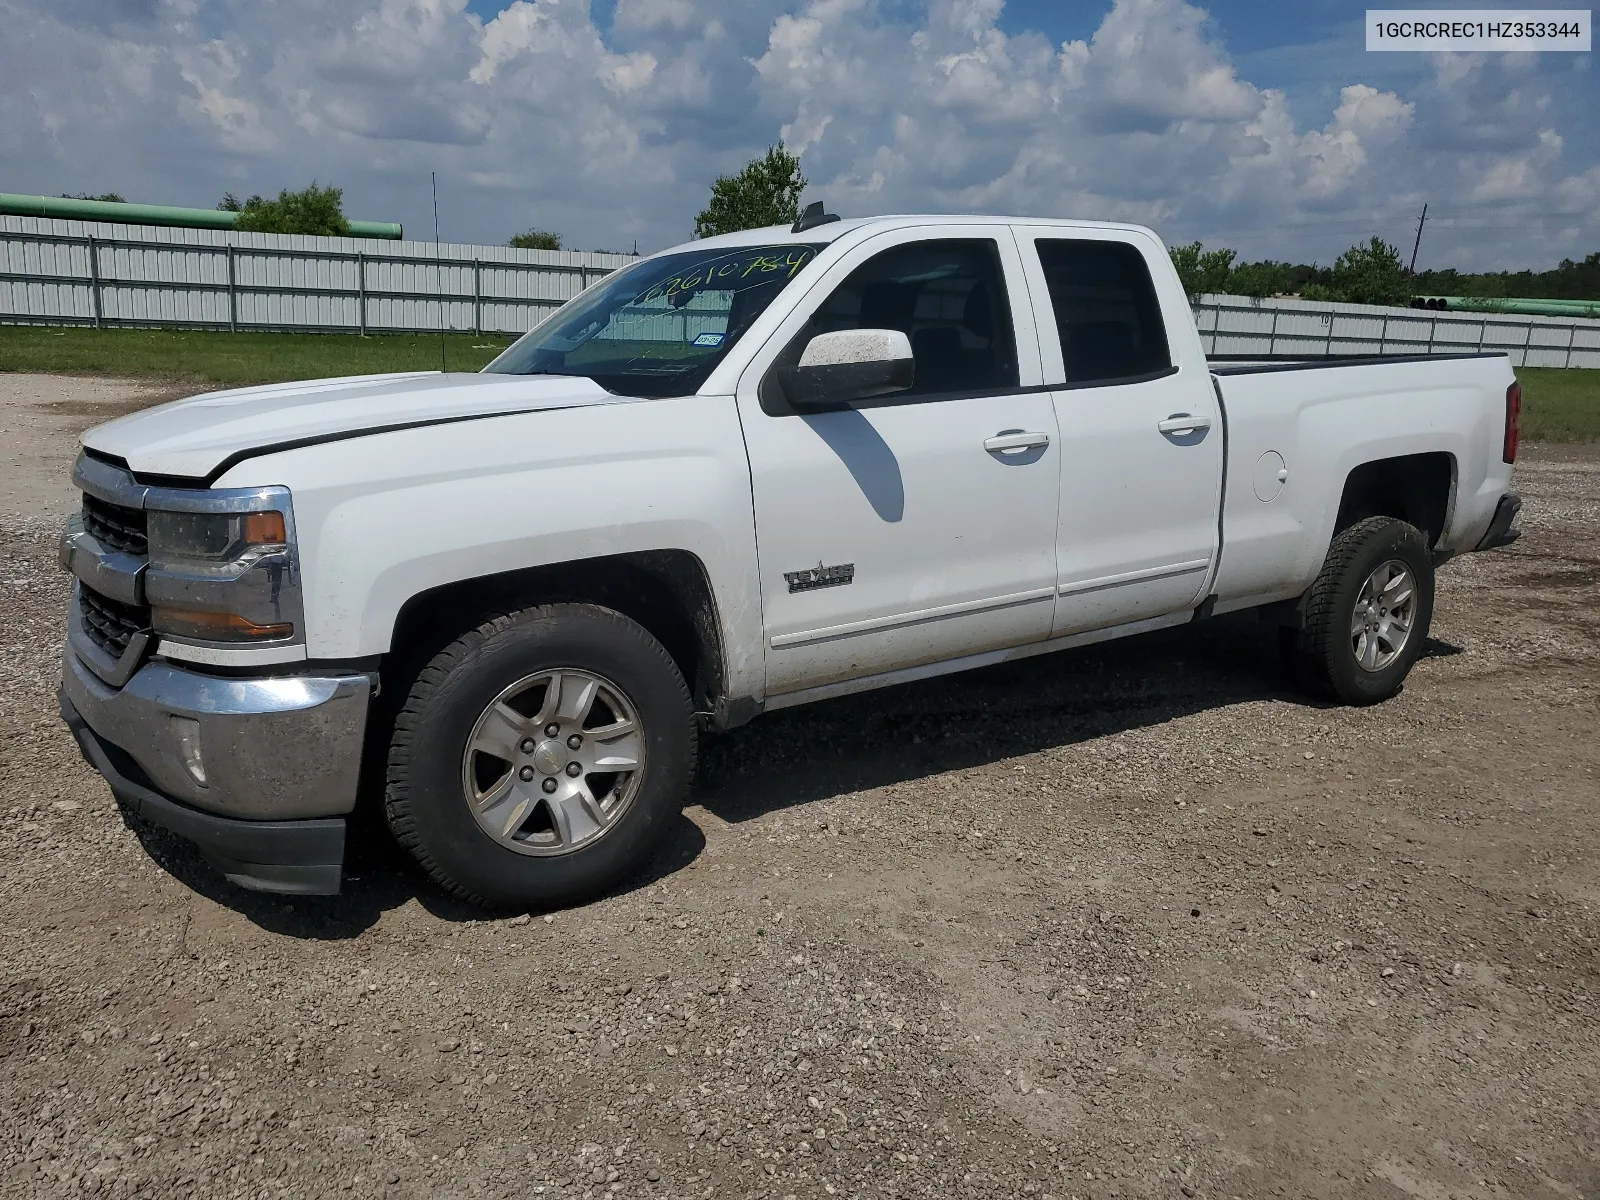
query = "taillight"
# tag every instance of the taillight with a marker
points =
(1513, 422)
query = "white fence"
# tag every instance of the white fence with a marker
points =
(1238, 325)
(89, 273)
(57, 272)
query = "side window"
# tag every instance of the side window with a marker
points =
(1105, 309)
(948, 297)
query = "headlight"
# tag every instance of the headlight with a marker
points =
(223, 543)
(221, 577)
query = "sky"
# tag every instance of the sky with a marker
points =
(1265, 127)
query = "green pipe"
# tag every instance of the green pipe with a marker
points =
(1529, 306)
(156, 214)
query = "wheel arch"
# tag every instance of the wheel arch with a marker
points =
(668, 592)
(1419, 489)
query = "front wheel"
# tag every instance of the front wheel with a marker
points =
(539, 757)
(1366, 616)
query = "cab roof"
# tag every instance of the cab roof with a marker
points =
(777, 235)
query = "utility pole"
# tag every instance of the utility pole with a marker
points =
(1416, 245)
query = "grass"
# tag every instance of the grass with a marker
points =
(232, 359)
(1560, 405)
(1557, 405)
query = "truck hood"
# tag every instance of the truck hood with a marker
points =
(200, 437)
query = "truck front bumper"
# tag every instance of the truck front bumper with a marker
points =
(259, 773)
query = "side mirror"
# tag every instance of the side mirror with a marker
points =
(849, 364)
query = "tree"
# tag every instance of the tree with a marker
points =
(318, 211)
(536, 239)
(1569, 281)
(1369, 274)
(1201, 270)
(766, 192)
(108, 197)
(1261, 279)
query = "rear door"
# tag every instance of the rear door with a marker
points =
(1141, 431)
(900, 531)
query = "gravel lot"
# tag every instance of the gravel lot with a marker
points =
(1134, 921)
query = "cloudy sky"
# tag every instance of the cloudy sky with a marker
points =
(1265, 126)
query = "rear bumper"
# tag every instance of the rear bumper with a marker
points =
(1500, 532)
(302, 857)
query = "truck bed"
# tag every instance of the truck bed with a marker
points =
(1307, 424)
(1253, 364)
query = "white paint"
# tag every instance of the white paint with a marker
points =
(1269, 477)
(961, 556)
(1327, 423)
(907, 492)
(193, 437)
(1137, 501)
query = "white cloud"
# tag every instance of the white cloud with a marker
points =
(1376, 117)
(537, 117)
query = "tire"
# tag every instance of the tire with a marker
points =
(1328, 654)
(530, 849)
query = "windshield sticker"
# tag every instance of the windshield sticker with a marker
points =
(708, 339)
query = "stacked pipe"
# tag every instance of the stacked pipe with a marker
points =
(155, 214)
(1534, 306)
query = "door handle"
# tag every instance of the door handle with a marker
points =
(1183, 423)
(1016, 439)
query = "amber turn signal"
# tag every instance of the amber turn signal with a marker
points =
(265, 529)
(214, 626)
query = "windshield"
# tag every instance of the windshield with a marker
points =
(656, 328)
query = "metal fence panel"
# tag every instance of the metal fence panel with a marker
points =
(76, 272)
(1239, 325)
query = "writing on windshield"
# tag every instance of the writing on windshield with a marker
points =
(732, 273)
(658, 327)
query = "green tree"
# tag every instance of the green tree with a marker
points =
(536, 239)
(1569, 281)
(1369, 274)
(766, 192)
(1261, 279)
(109, 197)
(1201, 270)
(318, 211)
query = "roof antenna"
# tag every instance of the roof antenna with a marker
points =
(812, 217)
(433, 182)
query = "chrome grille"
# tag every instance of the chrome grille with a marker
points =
(115, 526)
(109, 623)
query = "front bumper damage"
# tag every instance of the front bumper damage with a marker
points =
(259, 773)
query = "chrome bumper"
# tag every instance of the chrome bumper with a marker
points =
(265, 748)
(303, 858)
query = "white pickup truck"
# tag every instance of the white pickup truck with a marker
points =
(742, 474)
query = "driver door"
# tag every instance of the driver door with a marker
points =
(916, 527)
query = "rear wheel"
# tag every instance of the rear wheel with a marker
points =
(1366, 616)
(539, 757)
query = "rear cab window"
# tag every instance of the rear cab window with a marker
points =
(1105, 311)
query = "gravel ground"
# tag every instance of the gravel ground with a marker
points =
(1133, 921)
